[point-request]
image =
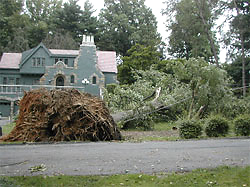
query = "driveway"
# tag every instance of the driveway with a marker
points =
(106, 158)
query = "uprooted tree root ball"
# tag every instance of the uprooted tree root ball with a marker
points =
(62, 115)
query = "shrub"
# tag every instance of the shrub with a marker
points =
(242, 125)
(216, 126)
(140, 122)
(111, 88)
(190, 129)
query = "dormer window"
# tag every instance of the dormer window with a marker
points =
(43, 61)
(38, 62)
(34, 62)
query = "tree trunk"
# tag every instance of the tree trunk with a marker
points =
(242, 54)
(131, 114)
(199, 5)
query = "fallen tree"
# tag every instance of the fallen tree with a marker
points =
(62, 115)
(133, 114)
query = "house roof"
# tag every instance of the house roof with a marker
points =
(106, 60)
(64, 52)
(10, 60)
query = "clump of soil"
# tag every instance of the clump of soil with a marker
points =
(62, 115)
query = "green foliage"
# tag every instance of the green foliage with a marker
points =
(141, 122)
(111, 88)
(131, 97)
(190, 129)
(139, 58)
(239, 25)
(191, 30)
(207, 85)
(234, 69)
(234, 107)
(216, 126)
(11, 20)
(59, 40)
(242, 125)
(126, 23)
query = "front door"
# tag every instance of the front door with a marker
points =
(60, 81)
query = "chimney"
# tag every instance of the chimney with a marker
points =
(87, 40)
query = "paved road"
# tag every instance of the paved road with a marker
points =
(107, 158)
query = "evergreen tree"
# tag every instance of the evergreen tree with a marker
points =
(191, 29)
(124, 23)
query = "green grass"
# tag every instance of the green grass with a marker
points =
(8, 128)
(163, 126)
(222, 176)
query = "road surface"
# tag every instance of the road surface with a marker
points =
(106, 158)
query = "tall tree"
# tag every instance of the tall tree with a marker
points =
(124, 23)
(41, 13)
(42, 10)
(69, 19)
(11, 19)
(72, 19)
(89, 22)
(139, 58)
(239, 34)
(191, 30)
(57, 40)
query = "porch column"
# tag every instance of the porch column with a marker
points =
(11, 111)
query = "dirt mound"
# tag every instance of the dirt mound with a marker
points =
(62, 115)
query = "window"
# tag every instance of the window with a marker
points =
(94, 80)
(5, 80)
(56, 60)
(38, 61)
(17, 81)
(35, 81)
(66, 61)
(34, 62)
(43, 61)
(11, 81)
(72, 79)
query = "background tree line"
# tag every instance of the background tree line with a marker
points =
(130, 28)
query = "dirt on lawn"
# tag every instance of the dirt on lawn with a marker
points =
(136, 135)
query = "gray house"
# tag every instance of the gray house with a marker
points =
(86, 69)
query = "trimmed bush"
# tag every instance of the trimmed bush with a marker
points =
(190, 129)
(242, 125)
(216, 126)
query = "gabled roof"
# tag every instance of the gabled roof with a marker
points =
(10, 60)
(106, 60)
(29, 53)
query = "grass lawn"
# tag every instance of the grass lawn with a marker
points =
(7, 128)
(161, 132)
(222, 176)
